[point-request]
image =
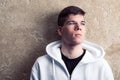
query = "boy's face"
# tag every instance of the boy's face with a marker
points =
(73, 30)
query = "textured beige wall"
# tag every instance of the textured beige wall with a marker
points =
(26, 26)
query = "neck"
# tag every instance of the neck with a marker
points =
(72, 51)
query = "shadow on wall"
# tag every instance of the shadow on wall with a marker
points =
(51, 28)
(18, 64)
(47, 35)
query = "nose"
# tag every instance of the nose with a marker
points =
(78, 27)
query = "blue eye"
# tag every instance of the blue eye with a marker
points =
(71, 23)
(82, 23)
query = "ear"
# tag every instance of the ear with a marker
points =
(59, 30)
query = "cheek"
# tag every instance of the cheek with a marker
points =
(67, 31)
(84, 30)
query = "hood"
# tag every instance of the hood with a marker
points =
(93, 51)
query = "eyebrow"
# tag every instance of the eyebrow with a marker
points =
(69, 21)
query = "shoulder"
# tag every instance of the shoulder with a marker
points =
(102, 64)
(43, 58)
(106, 70)
(42, 61)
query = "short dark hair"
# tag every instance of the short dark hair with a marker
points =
(67, 11)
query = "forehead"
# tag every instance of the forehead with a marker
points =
(77, 17)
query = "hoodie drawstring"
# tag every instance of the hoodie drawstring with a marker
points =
(53, 67)
(87, 76)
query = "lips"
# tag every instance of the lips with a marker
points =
(77, 35)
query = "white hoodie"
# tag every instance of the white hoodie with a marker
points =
(92, 66)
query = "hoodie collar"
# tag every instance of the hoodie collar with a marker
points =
(93, 52)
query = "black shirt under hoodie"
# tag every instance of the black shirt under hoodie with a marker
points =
(71, 63)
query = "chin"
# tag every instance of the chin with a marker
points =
(73, 41)
(76, 42)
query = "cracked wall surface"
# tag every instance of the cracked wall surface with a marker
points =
(27, 26)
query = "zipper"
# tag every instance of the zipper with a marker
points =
(69, 78)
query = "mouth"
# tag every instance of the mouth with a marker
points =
(77, 35)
